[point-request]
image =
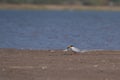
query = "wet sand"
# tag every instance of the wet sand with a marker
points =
(59, 65)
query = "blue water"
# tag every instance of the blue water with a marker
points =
(23, 29)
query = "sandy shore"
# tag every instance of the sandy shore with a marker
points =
(59, 65)
(57, 7)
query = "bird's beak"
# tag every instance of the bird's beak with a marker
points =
(68, 47)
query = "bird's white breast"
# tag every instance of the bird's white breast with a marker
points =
(75, 49)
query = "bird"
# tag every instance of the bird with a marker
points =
(72, 48)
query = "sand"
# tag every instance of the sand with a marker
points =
(59, 65)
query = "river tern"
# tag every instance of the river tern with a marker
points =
(72, 48)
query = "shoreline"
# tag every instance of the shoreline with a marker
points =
(58, 65)
(56, 7)
(60, 50)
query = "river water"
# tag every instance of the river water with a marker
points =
(44, 29)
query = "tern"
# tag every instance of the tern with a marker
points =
(72, 48)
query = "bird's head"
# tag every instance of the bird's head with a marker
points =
(69, 46)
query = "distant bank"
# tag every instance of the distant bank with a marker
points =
(57, 7)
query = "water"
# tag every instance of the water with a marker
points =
(57, 29)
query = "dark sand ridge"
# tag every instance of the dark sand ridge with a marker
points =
(58, 7)
(59, 65)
